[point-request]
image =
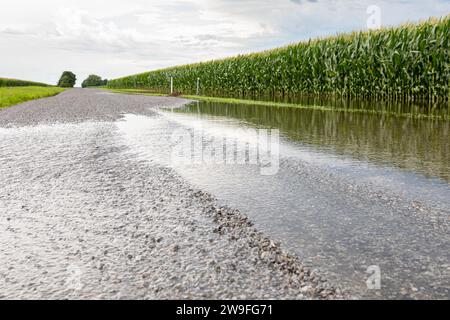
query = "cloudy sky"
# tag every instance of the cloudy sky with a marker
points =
(40, 39)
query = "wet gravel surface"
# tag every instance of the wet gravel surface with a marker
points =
(81, 217)
(79, 105)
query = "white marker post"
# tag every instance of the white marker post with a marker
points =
(198, 86)
(171, 85)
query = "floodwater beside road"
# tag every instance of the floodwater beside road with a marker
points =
(92, 207)
(352, 191)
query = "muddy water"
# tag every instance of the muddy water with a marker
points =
(353, 193)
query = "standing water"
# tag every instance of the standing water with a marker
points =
(356, 195)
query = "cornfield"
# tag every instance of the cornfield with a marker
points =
(5, 82)
(407, 62)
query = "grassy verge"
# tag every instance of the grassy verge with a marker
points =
(285, 105)
(136, 91)
(14, 95)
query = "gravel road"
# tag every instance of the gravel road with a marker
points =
(82, 218)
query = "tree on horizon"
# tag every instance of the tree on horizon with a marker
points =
(67, 80)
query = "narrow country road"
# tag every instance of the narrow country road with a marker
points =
(81, 217)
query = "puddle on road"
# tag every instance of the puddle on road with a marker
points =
(341, 204)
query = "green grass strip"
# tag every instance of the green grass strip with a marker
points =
(10, 96)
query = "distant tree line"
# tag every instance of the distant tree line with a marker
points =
(68, 80)
(94, 81)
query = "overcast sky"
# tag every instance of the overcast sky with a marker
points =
(40, 39)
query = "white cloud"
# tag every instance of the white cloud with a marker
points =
(39, 40)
